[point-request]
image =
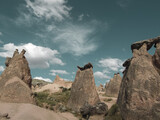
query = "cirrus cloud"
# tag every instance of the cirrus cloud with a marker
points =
(56, 9)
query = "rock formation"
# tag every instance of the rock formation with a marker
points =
(100, 88)
(57, 85)
(139, 96)
(83, 90)
(87, 66)
(15, 81)
(62, 83)
(112, 88)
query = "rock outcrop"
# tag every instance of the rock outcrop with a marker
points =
(15, 81)
(62, 83)
(57, 85)
(83, 90)
(88, 110)
(87, 66)
(100, 88)
(112, 88)
(139, 96)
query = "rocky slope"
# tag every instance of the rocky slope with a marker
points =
(139, 96)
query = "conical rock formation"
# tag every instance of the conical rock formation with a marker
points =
(83, 90)
(112, 88)
(15, 81)
(139, 96)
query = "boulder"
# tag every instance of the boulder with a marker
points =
(112, 88)
(83, 90)
(88, 110)
(15, 81)
(139, 96)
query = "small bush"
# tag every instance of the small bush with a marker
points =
(45, 99)
(114, 113)
(107, 100)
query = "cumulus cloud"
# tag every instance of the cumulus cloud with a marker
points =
(113, 64)
(101, 75)
(57, 72)
(1, 68)
(44, 79)
(75, 39)
(56, 9)
(38, 56)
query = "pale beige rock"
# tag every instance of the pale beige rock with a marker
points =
(15, 81)
(83, 90)
(55, 86)
(139, 96)
(112, 88)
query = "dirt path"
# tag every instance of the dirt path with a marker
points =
(31, 112)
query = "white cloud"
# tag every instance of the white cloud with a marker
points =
(1, 68)
(75, 39)
(57, 72)
(44, 79)
(38, 56)
(1, 33)
(101, 75)
(113, 64)
(56, 9)
(80, 17)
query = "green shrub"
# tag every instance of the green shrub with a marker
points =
(107, 100)
(45, 99)
(114, 113)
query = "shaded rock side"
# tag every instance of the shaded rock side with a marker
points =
(15, 81)
(112, 88)
(83, 90)
(139, 96)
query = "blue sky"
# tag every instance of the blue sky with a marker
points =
(58, 35)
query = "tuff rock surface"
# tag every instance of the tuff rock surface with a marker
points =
(83, 90)
(112, 88)
(15, 81)
(139, 96)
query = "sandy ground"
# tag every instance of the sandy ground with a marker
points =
(20, 111)
(109, 103)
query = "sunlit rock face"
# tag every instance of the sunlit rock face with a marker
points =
(139, 96)
(15, 81)
(83, 90)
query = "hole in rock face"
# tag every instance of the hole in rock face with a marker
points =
(152, 50)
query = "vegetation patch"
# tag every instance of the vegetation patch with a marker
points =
(52, 101)
(113, 113)
(108, 99)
